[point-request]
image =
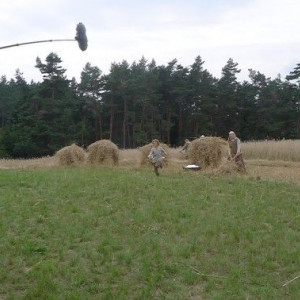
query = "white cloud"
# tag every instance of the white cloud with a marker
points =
(260, 34)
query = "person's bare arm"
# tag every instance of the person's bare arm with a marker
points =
(163, 151)
(229, 154)
(151, 153)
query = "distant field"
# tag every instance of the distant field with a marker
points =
(286, 150)
(120, 233)
(279, 161)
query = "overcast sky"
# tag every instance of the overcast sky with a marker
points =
(258, 34)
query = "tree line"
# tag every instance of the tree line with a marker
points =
(137, 102)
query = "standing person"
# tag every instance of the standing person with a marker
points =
(185, 147)
(234, 151)
(157, 155)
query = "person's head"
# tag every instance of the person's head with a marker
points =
(232, 135)
(155, 142)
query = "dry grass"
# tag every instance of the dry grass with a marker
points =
(286, 150)
(176, 155)
(129, 158)
(43, 162)
(277, 170)
(274, 170)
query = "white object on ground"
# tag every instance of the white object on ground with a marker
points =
(191, 167)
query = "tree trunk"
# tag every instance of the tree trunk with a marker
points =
(169, 125)
(196, 128)
(2, 120)
(129, 143)
(82, 131)
(298, 127)
(133, 140)
(124, 123)
(100, 126)
(180, 122)
(111, 117)
(152, 123)
(143, 117)
(52, 91)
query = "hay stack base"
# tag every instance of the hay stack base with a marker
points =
(228, 167)
(70, 156)
(103, 152)
(145, 150)
(207, 151)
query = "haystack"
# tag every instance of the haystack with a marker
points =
(103, 152)
(207, 151)
(145, 150)
(70, 155)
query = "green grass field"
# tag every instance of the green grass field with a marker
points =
(125, 234)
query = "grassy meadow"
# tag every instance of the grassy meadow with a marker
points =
(119, 233)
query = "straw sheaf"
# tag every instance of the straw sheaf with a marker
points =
(207, 151)
(145, 150)
(103, 152)
(70, 155)
(228, 168)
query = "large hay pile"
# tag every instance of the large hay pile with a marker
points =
(145, 150)
(207, 151)
(103, 152)
(70, 155)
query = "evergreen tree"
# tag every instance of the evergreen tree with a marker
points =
(201, 111)
(90, 89)
(116, 94)
(167, 103)
(295, 74)
(227, 109)
(180, 93)
(143, 110)
(53, 75)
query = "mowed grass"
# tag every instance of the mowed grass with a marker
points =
(83, 233)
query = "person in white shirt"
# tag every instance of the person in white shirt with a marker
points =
(156, 156)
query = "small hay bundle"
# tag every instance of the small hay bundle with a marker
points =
(228, 167)
(103, 152)
(70, 155)
(207, 151)
(145, 150)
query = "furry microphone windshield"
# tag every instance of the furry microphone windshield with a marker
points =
(81, 36)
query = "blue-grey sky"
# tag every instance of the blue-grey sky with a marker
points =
(258, 34)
